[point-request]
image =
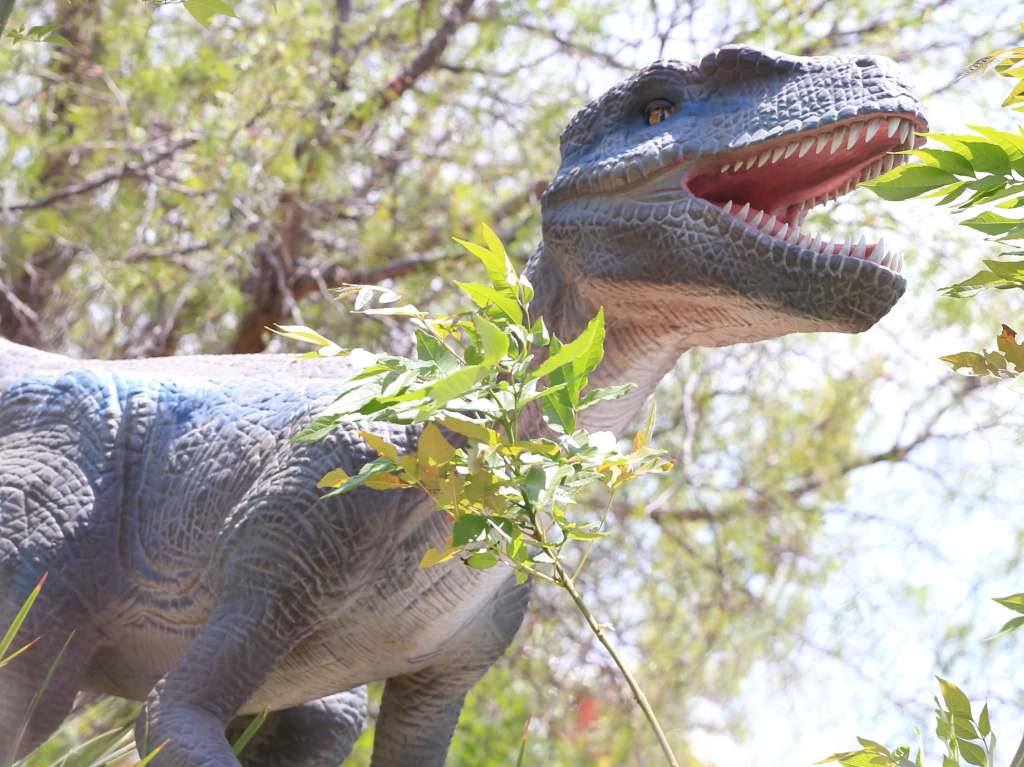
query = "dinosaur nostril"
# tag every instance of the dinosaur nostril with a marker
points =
(865, 61)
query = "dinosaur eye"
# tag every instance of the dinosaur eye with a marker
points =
(658, 111)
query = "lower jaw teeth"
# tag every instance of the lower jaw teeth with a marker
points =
(790, 232)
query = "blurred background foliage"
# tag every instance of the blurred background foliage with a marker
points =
(167, 188)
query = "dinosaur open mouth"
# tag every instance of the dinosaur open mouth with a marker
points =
(770, 186)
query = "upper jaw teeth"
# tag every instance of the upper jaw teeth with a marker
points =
(789, 231)
(841, 138)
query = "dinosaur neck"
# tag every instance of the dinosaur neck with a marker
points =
(637, 353)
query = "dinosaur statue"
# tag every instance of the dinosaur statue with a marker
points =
(185, 541)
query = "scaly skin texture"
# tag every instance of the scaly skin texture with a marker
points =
(186, 544)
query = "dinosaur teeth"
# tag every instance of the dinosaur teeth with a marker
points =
(778, 153)
(756, 221)
(764, 157)
(837, 140)
(727, 207)
(744, 211)
(904, 130)
(805, 145)
(861, 248)
(791, 149)
(855, 130)
(872, 128)
(894, 125)
(878, 252)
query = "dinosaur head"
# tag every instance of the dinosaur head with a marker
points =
(682, 191)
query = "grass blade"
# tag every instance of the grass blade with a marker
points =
(247, 734)
(19, 619)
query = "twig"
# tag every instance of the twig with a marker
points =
(128, 170)
(638, 694)
(6, 8)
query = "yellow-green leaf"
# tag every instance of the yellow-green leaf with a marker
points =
(381, 445)
(485, 296)
(435, 557)
(492, 338)
(455, 385)
(474, 431)
(334, 478)
(643, 437)
(433, 447)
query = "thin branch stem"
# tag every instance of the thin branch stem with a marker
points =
(638, 694)
(6, 9)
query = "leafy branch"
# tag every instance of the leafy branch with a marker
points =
(500, 452)
(982, 170)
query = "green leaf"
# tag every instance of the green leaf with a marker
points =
(495, 259)
(366, 475)
(558, 404)
(429, 348)
(944, 159)
(972, 360)
(485, 297)
(956, 700)
(908, 181)
(979, 280)
(984, 727)
(1008, 270)
(1011, 143)
(985, 156)
(204, 10)
(605, 393)
(1009, 627)
(492, 338)
(584, 352)
(455, 385)
(301, 333)
(467, 528)
(992, 223)
(972, 752)
(534, 484)
(1015, 602)
(482, 560)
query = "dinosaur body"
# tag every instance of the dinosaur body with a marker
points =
(183, 534)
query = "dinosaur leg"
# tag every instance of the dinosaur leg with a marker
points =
(188, 710)
(419, 711)
(320, 733)
(38, 688)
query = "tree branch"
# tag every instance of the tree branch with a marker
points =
(6, 9)
(128, 170)
(425, 60)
